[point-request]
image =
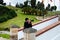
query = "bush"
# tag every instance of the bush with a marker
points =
(38, 12)
(33, 11)
(27, 10)
(6, 13)
(2, 20)
(6, 29)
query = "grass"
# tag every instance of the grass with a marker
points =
(19, 20)
(5, 36)
(53, 13)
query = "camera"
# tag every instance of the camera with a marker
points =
(32, 20)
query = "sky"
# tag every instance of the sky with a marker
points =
(13, 2)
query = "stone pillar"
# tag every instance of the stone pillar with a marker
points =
(29, 34)
(59, 17)
(13, 33)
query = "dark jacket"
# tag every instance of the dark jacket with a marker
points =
(27, 25)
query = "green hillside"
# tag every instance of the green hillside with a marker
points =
(6, 14)
(19, 20)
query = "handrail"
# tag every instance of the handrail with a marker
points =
(47, 28)
(40, 22)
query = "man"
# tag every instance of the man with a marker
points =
(27, 23)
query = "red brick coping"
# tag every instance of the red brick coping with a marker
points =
(40, 22)
(47, 28)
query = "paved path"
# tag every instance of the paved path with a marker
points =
(3, 38)
(4, 32)
(41, 18)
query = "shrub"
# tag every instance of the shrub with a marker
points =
(38, 12)
(27, 10)
(6, 13)
(7, 29)
(2, 20)
(33, 11)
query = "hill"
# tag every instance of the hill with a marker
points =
(18, 20)
(6, 14)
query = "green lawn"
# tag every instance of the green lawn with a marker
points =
(5, 36)
(53, 13)
(19, 20)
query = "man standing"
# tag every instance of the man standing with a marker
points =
(27, 23)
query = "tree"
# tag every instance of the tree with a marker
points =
(38, 5)
(21, 5)
(53, 8)
(1, 1)
(25, 3)
(4, 3)
(33, 3)
(17, 5)
(41, 6)
(43, 13)
(48, 7)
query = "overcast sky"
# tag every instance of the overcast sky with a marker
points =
(13, 2)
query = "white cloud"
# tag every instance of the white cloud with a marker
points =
(7, 1)
(13, 2)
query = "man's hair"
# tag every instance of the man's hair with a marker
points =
(26, 19)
